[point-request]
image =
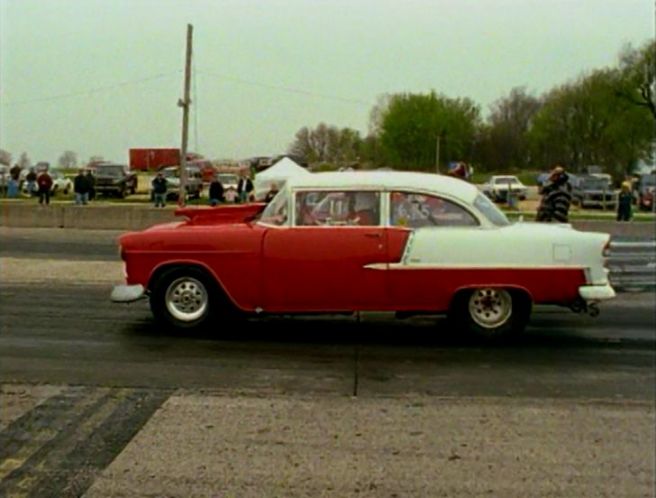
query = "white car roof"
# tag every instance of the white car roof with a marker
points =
(387, 180)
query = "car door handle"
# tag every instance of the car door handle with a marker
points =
(373, 235)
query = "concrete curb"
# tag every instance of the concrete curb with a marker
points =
(138, 217)
(98, 217)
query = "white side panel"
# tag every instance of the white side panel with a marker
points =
(523, 245)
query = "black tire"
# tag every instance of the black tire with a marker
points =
(490, 313)
(183, 298)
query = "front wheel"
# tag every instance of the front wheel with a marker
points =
(491, 312)
(182, 298)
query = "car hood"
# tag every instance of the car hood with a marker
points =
(240, 213)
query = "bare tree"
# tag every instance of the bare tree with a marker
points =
(95, 159)
(326, 144)
(5, 157)
(68, 160)
(24, 161)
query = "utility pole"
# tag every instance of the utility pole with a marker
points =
(185, 103)
(437, 154)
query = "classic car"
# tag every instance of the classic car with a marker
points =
(497, 187)
(409, 243)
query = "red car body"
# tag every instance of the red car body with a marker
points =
(304, 258)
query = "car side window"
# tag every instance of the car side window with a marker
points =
(417, 210)
(337, 208)
(276, 211)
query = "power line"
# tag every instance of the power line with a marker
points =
(92, 91)
(298, 91)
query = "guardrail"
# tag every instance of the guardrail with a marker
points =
(632, 265)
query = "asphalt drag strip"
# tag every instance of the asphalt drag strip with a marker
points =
(59, 447)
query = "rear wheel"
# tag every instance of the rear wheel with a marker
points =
(183, 298)
(491, 312)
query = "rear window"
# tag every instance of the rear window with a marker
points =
(490, 211)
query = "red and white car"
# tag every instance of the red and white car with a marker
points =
(409, 243)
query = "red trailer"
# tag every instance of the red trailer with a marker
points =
(153, 159)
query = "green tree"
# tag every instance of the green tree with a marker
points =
(637, 82)
(410, 125)
(584, 123)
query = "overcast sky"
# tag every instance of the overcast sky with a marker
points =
(101, 76)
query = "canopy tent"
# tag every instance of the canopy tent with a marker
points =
(278, 173)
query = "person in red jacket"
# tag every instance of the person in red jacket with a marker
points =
(44, 183)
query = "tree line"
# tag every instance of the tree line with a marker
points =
(606, 117)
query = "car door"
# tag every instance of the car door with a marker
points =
(322, 260)
(427, 284)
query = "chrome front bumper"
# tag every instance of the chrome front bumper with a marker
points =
(127, 293)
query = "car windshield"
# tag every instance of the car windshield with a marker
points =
(492, 213)
(594, 183)
(276, 211)
(171, 173)
(648, 180)
(228, 179)
(506, 179)
(110, 170)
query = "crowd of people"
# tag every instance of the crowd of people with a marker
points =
(555, 202)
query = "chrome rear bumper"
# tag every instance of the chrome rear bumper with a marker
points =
(596, 292)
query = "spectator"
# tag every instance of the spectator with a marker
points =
(244, 187)
(273, 191)
(44, 183)
(30, 178)
(160, 187)
(91, 181)
(556, 197)
(15, 172)
(12, 187)
(216, 191)
(81, 188)
(625, 203)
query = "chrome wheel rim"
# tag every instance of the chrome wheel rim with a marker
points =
(186, 299)
(490, 308)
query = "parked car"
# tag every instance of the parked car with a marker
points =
(645, 191)
(60, 183)
(114, 179)
(346, 242)
(194, 184)
(593, 191)
(496, 188)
